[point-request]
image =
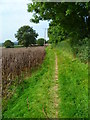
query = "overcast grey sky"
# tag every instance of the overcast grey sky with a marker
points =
(13, 15)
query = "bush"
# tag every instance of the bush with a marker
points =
(40, 41)
(81, 49)
(8, 44)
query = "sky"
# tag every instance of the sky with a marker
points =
(13, 15)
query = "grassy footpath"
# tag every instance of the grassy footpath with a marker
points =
(73, 84)
(34, 98)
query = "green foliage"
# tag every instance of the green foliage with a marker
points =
(8, 44)
(70, 16)
(40, 41)
(81, 49)
(26, 36)
(73, 84)
(56, 33)
(67, 20)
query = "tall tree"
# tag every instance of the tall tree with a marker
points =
(26, 36)
(71, 16)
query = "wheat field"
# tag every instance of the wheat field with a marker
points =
(16, 61)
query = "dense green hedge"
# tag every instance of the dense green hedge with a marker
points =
(81, 49)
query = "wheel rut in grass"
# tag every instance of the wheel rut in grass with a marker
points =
(56, 88)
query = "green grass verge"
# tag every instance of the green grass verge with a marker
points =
(73, 84)
(18, 46)
(34, 98)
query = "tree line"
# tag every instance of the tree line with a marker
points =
(26, 36)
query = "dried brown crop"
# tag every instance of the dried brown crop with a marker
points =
(17, 60)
